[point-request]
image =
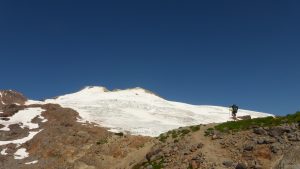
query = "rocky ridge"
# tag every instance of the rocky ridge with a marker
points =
(207, 148)
(8, 97)
(62, 142)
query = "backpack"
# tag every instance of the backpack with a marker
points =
(235, 108)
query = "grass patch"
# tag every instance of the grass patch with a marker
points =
(260, 122)
(181, 132)
(195, 128)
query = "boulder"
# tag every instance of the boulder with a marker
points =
(194, 164)
(246, 117)
(200, 145)
(269, 140)
(241, 166)
(152, 153)
(83, 134)
(260, 141)
(259, 131)
(275, 148)
(228, 163)
(149, 167)
(82, 165)
(248, 147)
(276, 131)
(280, 130)
(216, 135)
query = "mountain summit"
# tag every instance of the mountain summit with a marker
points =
(139, 111)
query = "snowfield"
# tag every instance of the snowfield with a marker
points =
(141, 112)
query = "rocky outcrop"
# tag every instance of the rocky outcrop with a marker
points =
(8, 97)
(255, 148)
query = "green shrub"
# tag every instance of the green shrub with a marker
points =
(184, 132)
(158, 165)
(163, 138)
(174, 134)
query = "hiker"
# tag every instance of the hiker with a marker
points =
(234, 110)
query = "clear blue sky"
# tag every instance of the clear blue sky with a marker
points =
(199, 52)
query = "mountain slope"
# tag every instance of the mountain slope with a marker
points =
(140, 112)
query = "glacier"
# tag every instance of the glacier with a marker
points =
(140, 112)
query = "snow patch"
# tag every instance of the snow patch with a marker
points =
(21, 154)
(29, 102)
(32, 162)
(23, 117)
(3, 152)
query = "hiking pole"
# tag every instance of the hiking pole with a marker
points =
(229, 111)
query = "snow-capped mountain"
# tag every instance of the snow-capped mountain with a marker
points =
(141, 112)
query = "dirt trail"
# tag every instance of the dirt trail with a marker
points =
(134, 157)
(213, 150)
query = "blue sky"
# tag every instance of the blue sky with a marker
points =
(199, 52)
